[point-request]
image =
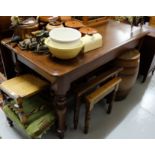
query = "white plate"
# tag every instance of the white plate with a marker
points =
(64, 35)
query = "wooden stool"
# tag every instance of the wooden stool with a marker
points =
(100, 92)
(91, 99)
(19, 88)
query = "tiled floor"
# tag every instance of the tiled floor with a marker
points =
(132, 118)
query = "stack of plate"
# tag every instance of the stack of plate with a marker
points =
(64, 43)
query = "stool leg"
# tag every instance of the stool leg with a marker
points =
(87, 118)
(22, 116)
(76, 112)
(111, 100)
(144, 78)
(3, 98)
(10, 122)
(153, 71)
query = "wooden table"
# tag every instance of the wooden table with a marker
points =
(116, 39)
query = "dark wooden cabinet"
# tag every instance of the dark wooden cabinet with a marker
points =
(147, 50)
(5, 57)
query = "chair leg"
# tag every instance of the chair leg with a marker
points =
(111, 100)
(10, 122)
(87, 118)
(76, 112)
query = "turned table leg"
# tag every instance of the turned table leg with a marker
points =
(60, 88)
(61, 108)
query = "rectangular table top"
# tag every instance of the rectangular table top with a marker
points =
(114, 34)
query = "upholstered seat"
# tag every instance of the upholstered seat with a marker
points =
(24, 107)
(40, 116)
(21, 87)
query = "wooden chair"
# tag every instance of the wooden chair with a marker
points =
(103, 85)
(19, 88)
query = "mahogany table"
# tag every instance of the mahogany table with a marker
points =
(117, 38)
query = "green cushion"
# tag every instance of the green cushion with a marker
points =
(39, 121)
(41, 125)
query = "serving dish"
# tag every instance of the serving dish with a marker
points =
(74, 24)
(88, 30)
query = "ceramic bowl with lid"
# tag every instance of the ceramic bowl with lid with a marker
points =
(64, 43)
(63, 50)
(65, 35)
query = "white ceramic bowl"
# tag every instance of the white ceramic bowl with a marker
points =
(63, 50)
(64, 35)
